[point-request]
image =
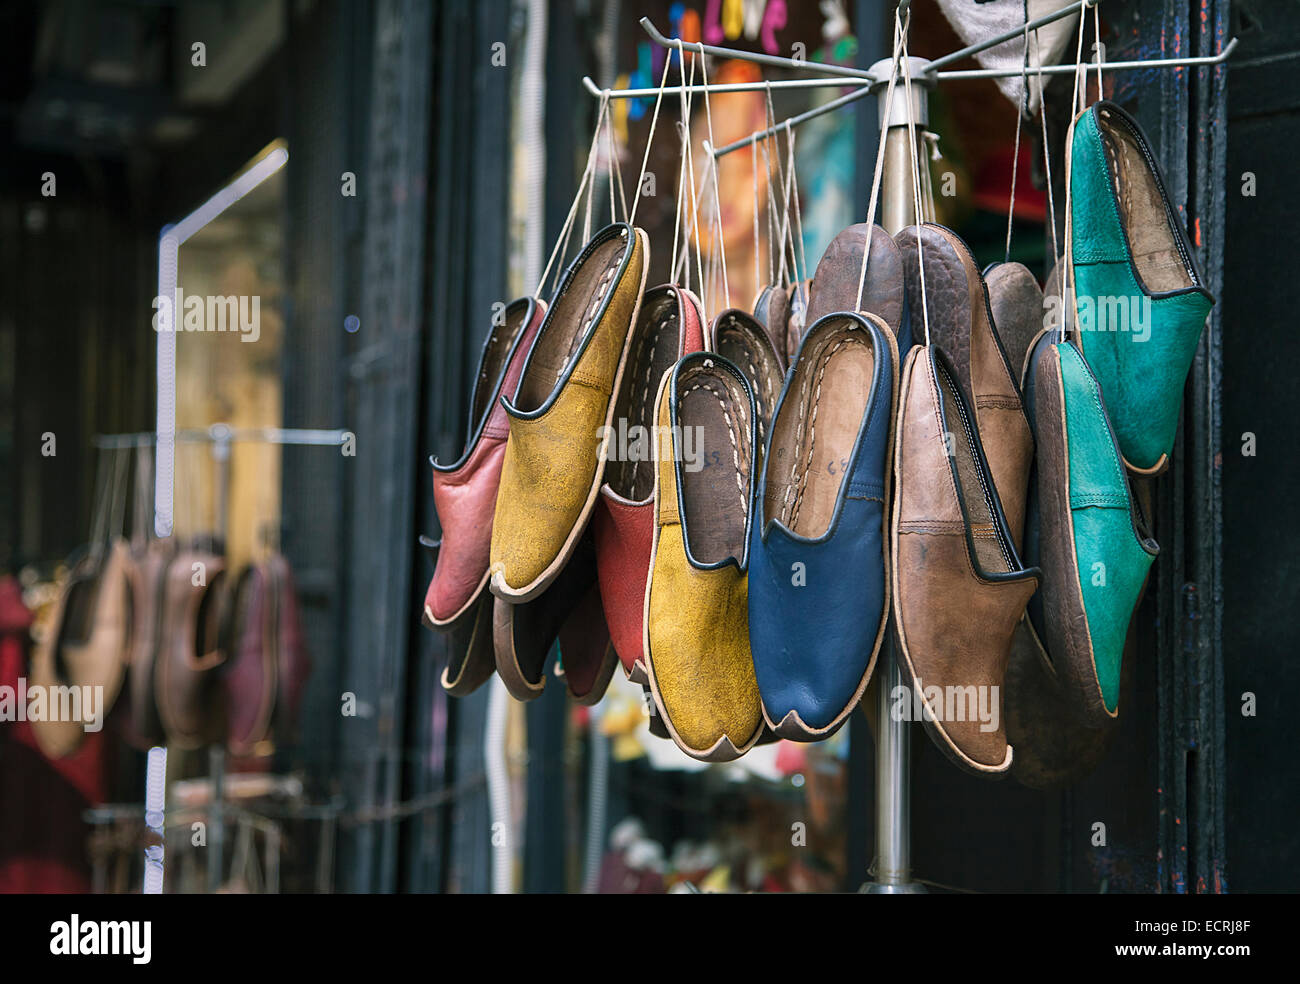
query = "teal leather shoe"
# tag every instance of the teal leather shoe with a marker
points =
(1140, 303)
(1084, 530)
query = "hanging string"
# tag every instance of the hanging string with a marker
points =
(880, 168)
(688, 142)
(1015, 155)
(769, 122)
(914, 154)
(684, 175)
(785, 209)
(798, 217)
(562, 242)
(713, 167)
(1101, 50)
(1047, 154)
(1078, 103)
(615, 170)
(649, 140)
(753, 168)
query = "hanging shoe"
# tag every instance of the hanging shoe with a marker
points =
(818, 600)
(1140, 303)
(555, 455)
(465, 492)
(962, 326)
(569, 610)
(187, 685)
(772, 312)
(669, 326)
(834, 285)
(1084, 530)
(697, 614)
(959, 587)
(737, 337)
(85, 650)
(1016, 305)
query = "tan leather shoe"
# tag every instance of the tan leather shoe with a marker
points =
(698, 661)
(187, 686)
(739, 338)
(560, 419)
(962, 325)
(84, 653)
(958, 584)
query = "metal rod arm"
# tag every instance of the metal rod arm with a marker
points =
(757, 57)
(993, 42)
(650, 93)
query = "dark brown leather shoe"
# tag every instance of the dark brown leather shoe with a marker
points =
(568, 610)
(958, 584)
(834, 286)
(187, 685)
(1016, 304)
(961, 324)
(737, 337)
(1053, 748)
(772, 311)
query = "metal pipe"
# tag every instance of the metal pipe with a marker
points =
(893, 737)
(673, 90)
(1006, 73)
(1015, 32)
(758, 57)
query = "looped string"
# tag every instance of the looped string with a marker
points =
(1015, 155)
(1078, 103)
(713, 168)
(880, 167)
(753, 167)
(649, 140)
(562, 241)
(914, 155)
(785, 208)
(798, 216)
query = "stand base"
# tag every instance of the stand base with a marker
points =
(879, 888)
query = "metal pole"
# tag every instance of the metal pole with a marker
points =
(893, 738)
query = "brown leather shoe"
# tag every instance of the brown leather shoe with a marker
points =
(85, 647)
(1016, 303)
(772, 311)
(962, 325)
(568, 610)
(148, 576)
(1053, 748)
(835, 284)
(958, 584)
(737, 337)
(187, 684)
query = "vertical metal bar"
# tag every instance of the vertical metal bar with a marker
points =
(217, 824)
(893, 737)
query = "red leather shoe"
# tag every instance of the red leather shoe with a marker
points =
(671, 324)
(465, 492)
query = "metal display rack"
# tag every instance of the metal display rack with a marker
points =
(893, 867)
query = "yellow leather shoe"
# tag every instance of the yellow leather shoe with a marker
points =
(697, 600)
(560, 420)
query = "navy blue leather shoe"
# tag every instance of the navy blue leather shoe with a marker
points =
(818, 595)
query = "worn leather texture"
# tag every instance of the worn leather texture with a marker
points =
(524, 634)
(772, 312)
(959, 587)
(86, 644)
(1053, 747)
(670, 325)
(554, 458)
(817, 560)
(1094, 557)
(738, 338)
(1129, 250)
(148, 569)
(1016, 304)
(697, 614)
(187, 682)
(465, 492)
(962, 326)
(251, 674)
(835, 283)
